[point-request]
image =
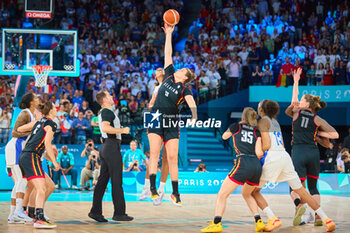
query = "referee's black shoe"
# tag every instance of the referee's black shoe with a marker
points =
(98, 218)
(123, 217)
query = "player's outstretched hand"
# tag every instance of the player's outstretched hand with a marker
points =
(297, 74)
(168, 29)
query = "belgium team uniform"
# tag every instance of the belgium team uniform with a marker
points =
(247, 168)
(305, 153)
(30, 159)
(170, 95)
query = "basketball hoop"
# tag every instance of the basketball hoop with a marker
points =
(41, 72)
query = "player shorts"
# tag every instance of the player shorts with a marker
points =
(306, 160)
(166, 133)
(13, 150)
(30, 165)
(278, 167)
(246, 170)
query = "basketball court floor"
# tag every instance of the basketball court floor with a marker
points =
(69, 211)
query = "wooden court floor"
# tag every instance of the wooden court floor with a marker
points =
(71, 217)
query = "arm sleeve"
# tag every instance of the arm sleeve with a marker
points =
(234, 128)
(187, 91)
(169, 70)
(107, 116)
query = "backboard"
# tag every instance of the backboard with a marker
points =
(23, 48)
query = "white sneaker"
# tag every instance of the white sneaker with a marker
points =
(11, 220)
(157, 201)
(145, 194)
(311, 218)
(21, 216)
(161, 195)
(74, 187)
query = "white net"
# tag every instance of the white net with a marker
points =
(41, 73)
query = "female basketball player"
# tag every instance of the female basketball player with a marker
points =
(305, 153)
(247, 170)
(23, 127)
(165, 167)
(278, 166)
(30, 160)
(171, 94)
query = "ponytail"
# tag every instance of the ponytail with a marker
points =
(250, 116)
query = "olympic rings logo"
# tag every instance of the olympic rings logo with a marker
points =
(270, 185)
(9, 66)
(68, 67)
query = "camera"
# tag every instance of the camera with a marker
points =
(94, 157)
(200, 169)
(90, 144)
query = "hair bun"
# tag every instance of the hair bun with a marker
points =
(323, 104)
(317, 98)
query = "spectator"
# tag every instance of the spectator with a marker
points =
(267, 75)
(5, 122)
(77, 99)
(66, 129)
(341, 163)
(287, 70)
(328, 75)
(90, 171)
(201, 168)
(233, 75)
(319, 74)
(257, 76)
(66, 160)
(340, 74)
(80, 126)
(96, 133)
(203, 87)
(311, 76)
(133, 158)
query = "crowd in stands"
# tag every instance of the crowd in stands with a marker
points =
(232, 44)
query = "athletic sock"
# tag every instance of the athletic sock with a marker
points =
(31, 212)
(161, 187)
(39, 214)
(19, 202)
(217, 219)
(147, 184)
(152, 178)
(322, 214)
(175, 187)
(12, 210)
(257, 217)
(269, 213)
(297, 201)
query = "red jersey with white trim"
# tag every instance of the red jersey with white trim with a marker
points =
(244, 138)
(304, 128)
(36, 141)
(170, 94)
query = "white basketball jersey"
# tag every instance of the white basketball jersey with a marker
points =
(30, 114)
(275, 135)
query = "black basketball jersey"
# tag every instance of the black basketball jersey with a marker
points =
(171, 94)
(304, 128)
(36, 141)
(244, 138)
(107, 114)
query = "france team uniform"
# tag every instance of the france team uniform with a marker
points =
(247, 168)
(168, 99)
(305, 153)
(278, 165)
(30, 159)
(14, 148)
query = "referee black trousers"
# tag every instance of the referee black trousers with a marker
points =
(111, 167)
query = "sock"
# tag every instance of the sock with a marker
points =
(297, 201)
(147, 184)
(152, 178)
(321, 213)
(31, 212)
(24, 208)
(175, 187)
(19, 202)
(257, 217)
(268, 212)
(161, 187)
(39, 214)
(12, 210)
(217, 219)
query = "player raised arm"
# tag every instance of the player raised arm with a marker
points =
(168, 48)
(295, 100)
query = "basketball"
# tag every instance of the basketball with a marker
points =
(171, 17)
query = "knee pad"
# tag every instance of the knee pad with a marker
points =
(312, 186)
(21, 185)
(13, 193)
(295, 183)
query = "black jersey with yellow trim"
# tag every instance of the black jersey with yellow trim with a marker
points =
(304, 128)
(36, 141)
(244, 138)
(171, 94)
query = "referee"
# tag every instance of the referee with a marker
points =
(111, 161)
